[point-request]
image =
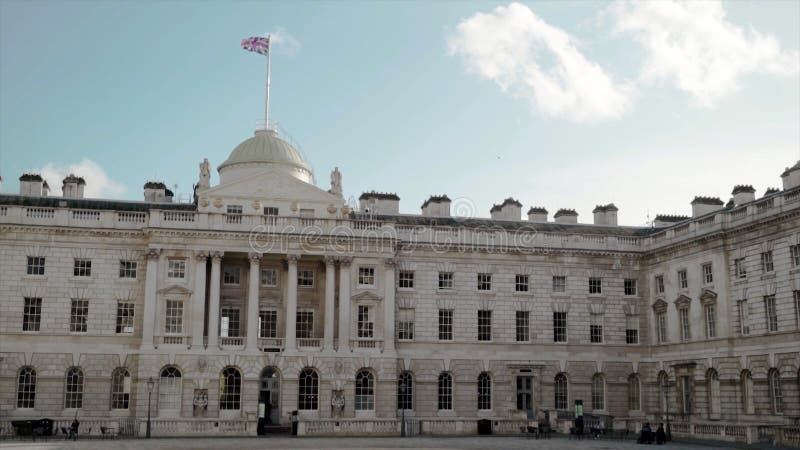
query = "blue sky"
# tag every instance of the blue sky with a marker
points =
(558, 104)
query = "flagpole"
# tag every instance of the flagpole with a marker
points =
(266, 108)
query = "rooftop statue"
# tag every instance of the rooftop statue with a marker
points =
(205, 174)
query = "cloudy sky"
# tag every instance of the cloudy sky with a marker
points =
(557, 104)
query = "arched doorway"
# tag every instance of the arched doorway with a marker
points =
(269, 400)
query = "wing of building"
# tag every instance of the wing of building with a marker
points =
(269, 300)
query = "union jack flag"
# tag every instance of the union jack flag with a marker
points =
(256, 44)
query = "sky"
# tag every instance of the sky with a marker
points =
(567, 104)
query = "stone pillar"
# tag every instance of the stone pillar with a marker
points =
(150, 287)
(213, 300)
(252, 301)
(199, 298)
(291, 304)
(330, 286)
(344, 304)
(388, 306)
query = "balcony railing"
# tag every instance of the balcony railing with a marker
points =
(366, 344)
(270, 344)
(231, 341)
(172, 339)
(309, 343)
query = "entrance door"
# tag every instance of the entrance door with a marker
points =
(525, 395)
(268, 400)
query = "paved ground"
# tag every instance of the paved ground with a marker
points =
(374, 443)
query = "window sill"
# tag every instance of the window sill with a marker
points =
(768, 275)
(366, 286)
(447, 291)
(560, 294)
(445, 413)
(596, 296)
(406, 290)
(522, 293)
(487, 293)
(34, 277)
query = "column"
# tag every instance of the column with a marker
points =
(199, 298)
(213, 300)
(388, 306)
(150, 286)
(330, 286)
(252, 301)
(344, 304)
(291, 304)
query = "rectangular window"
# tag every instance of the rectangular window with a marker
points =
(521, 283)
(268, 324)
(683, 281)
(686, 391)
(307, 217)
(269, 277)
(229, 322)
(559, 284)
(176, 269)
(744, 317)
(35, 265)
(445, 280)
(484, 325)
(739, 268)
(797, 308)
(405, 324)
(365, 324)
(708, 274)
(596, 328)
(661, 327)
(270, 215)
(766, 262)
(659, 284)
(305, 325)
(595, 285)
(405, 279)
(630, 286)
(78, 316)
(305, 278)
(231, 276)
(794, 255)
(125, 313)
(559, 327)
(445, 324)
(234, 214)
(173, 317)
(484, 282)
(710, 312)
(127, 269)
(686, 330)
(523, 326)
(32, 314)
(366, 276)
(772, 313)
(82, 268)
(631, 329)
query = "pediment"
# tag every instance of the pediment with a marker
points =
(175, 289)
(273, 184)
(708, 295)
(682, 301)
(660, 305)
(366, 296)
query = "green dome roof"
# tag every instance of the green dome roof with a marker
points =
(266, 147)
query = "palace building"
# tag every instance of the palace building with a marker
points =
(269, 295)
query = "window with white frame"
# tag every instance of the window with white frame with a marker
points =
(268, 323)
(365, 391)
(521, 283)
(596, 328)
(595, 285)
(710, 312)
(739, 268)
(305, 325)
(629, 286)
(365, 324)
(744, 317)
(445, 324)
(173, 317)
(484, 325)
(82, 267)
(125, 314)
(366, 276)
(35, 265)
(797, 308)
(775, 391)
(683, 280)
(270, 215)
(26, 387)
(766, 262)
(631, 329)
(32, 314)
(445, 280)
(169, 389)
(559, 284)
(561, 392)
(306, 217)
(120, 388)
(230, 389)
(772, 313)
(234, 214)
(559, 327)
(659, 284)
(445, 392)
(405, 324)
(308, 390)
(73, 392)
(78, 315)
(686, 394)
(523, 326)
(634, 393)
(229, 322)
(305, 278)
(686, 330)
(231, 276)
(708, 273)
(127, 269)
(269, 277)
(484, 391)
(794, 255)
(176, 269)
(598, 392)
(405, 279)
(405, 391)
(484, 282)
(661, 326)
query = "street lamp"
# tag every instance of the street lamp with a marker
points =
(403, 388)
(150, 385)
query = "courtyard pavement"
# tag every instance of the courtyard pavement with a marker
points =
(373, 443)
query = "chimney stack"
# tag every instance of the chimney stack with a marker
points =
(566, 216)
(379, 203)
(791, 177)
(666, 220)
(537, 214)
(605, 214)
(436, 206)
(156, 192)
(32, 184)
(72, 186)
(743, 193)
(704, 205)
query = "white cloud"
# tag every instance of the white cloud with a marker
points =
(693, 45)
(512, 46)
(284, 42)
(98, 184)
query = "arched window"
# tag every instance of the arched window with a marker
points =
(365, 391)
(230, 389)
(634, 394)
(663, 387)
(169, 390)
(120, 388)
(445, 391)
(484, 391)
(308, 390)
(26, 387)
(561, 392)
(405, 391)
(747, 392)
(598, 392)
(775, 393)
(73, 397)
(712, 386)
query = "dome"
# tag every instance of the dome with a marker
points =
(265, 147)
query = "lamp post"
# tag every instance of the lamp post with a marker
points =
(150, 384)
(403, 388)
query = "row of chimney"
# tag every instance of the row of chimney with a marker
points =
(32, 184)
